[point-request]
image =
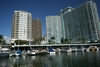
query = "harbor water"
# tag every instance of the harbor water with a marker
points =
(78, 59)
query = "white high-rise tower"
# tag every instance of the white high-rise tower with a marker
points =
(22, 26)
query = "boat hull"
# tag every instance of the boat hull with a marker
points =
(42, 53)
(4, 54)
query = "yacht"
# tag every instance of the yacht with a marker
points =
(42, 52)
(31, 52)
(52, 51)
(4, 52)
(16, 53)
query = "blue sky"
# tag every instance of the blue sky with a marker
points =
(38, 8)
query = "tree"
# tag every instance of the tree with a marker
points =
(98, 41)
(66, 41)
(2, 41)
(21, 42)
(52, 40)
(1, 38)
(82, 40)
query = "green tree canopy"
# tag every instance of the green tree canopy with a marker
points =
(2, 41)
(21, 42)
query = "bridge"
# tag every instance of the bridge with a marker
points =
(36, 46)
(52, 45)
(59, 45)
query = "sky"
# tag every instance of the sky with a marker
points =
(38, 8)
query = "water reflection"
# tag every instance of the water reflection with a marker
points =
(4, 62)
(63, 60)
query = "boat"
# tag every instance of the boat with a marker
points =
(42, 52)
(58, 51)
(31, 52)
(16, 53)
(69, 50)
(4, 52)
(36, 52)
(63, 50)
(51, 51)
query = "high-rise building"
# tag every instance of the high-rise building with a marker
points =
(36, 30)
(81, 23)
(22, 26)
(53, 27)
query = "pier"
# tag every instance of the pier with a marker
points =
(52, 45)
(57, 45)
(88, 46)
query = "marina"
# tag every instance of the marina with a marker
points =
(50, 33)
(44, 50)
(78, 59)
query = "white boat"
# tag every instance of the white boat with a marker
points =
(16, 53)
(69, 50)
(52, 51)
(63, 51)
(4, 52)
(31, 52)
(42, 52)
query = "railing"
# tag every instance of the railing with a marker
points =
(90, 44)
(57, 45)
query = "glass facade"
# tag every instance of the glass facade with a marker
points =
(81, 23)
(53, 25)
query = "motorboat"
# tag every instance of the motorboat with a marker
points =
(31, 52)
(16, 53)
(69, 50)
(4, 52)
(42, 52)
(52, 51)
